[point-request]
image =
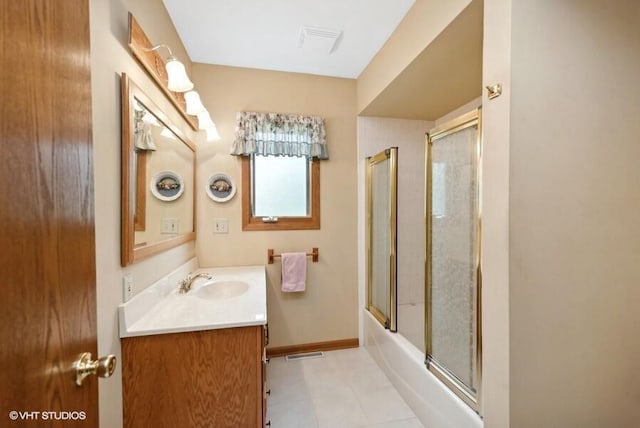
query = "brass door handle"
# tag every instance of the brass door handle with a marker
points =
(84, 366)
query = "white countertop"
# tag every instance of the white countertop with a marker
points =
(160, 309)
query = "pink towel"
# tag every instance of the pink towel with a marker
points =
(294, 271)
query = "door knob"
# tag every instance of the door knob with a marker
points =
(84, 366)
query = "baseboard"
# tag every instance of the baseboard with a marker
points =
(332, 345)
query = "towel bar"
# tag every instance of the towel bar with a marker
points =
(314, 255)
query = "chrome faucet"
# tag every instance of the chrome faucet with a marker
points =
(187, 283)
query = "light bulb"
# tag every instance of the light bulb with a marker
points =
(204, 120)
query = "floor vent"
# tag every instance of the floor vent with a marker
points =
(306, 356)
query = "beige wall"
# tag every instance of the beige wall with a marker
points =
(109, 57)
(421, 25)
(328, 309)
(444, 75)
(465, 108)
(495, 215)
(574, 223)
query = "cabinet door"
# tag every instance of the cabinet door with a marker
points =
(265, 390)
(195, 379)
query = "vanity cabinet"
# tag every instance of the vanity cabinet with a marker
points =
(213, 378)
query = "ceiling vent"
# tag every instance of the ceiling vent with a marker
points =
(319, 39)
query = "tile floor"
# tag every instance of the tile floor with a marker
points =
(344, 389)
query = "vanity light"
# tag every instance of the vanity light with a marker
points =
(205, 123)
(212, 133)
(177, 76)
(194, 105)
(204, 120)
(178, 81)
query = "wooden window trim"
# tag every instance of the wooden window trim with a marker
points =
(249, 222)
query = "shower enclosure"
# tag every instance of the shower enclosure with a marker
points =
(435, 308)
(381, 193)
(453, 277)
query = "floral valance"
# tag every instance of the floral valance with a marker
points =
(279, 135)
(142, 138)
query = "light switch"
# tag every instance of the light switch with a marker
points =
(169, 225)
(127, 286)
(220, 225)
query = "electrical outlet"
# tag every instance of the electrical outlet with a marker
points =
(169, 225)
(220, 225)
(127, 286)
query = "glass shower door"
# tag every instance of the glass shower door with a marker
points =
(453, 276)
(381, 236)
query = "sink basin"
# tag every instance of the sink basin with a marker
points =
(235, 297)
(219, 290)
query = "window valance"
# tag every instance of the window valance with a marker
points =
(273, 134)
(142, 134)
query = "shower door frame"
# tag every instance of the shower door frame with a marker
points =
(473, 118)
(390, 154)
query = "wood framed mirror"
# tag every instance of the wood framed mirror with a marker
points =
(157, 178)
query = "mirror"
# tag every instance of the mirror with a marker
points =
(158, 178)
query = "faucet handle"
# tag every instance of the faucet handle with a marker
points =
(183, 284)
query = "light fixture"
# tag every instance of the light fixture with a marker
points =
(194, 105)
(212, 133)
(204, 120)
(177, 76)
(205, 123)
(178, 81)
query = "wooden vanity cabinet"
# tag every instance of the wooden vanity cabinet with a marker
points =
(212, 378)
(265, 390)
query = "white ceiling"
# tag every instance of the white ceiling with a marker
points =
(265, 34)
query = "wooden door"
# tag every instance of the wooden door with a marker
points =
(47, 255)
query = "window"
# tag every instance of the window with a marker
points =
(280, 170)
(270, 175)
(282, 188)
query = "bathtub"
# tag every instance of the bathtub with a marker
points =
(432, 402)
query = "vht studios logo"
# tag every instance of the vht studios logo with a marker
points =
(46, 416)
